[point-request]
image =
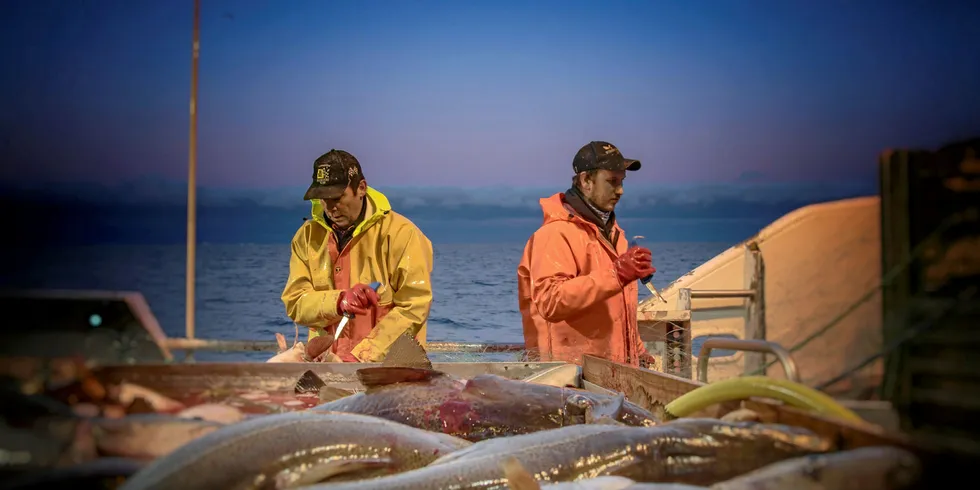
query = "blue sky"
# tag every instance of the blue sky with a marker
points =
(479, 93)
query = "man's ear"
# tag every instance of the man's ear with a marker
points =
(361, 188)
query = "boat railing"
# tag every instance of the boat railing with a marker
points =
(221, 345)
(668, 330)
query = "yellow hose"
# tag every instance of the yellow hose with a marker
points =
(761, 386)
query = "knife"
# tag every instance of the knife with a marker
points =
(646, 281)
(348, 316)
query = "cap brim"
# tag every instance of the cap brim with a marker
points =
(632, 165)
(317, 191)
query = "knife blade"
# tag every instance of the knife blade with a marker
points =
(348, 316)
(646, 281)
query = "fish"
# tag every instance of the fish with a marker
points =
(294, 449)
(483, 407)
(689, 451)
(405, 351)
(296, 353)
(518, 478)
(100, 473)
(147, 436)
(867, 468)
(214, 412)
(128, 394)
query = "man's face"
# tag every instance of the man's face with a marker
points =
(605, 189)
(343, 210)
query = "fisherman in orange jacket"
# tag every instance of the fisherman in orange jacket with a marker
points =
(577, 280)
(353, 239)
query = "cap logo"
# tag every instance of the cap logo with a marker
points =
(609, 149)
(322, 175)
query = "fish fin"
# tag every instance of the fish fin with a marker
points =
(607, 408)
(383, 376)
(320, 472)
(318, 345)
(518, 478)
(331, 393)
(309, 382)
(281, 342)
(405, 351)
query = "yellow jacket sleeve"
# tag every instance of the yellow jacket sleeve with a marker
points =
(305, 305)
(411, 256)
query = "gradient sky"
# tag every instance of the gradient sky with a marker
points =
(468, 93)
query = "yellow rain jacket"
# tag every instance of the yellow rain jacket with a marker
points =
(387, 248)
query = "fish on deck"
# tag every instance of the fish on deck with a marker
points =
(295, 449)
(483, 407)
(867, 468)
(518, 478)
(689, 451)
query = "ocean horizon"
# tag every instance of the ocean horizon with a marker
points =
(238, 286)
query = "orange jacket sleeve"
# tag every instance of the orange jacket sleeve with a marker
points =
(557, 291)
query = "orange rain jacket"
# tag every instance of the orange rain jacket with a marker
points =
(386, 247)
(569, 295)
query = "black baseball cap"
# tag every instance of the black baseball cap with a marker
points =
(332, 173)
(602, 155)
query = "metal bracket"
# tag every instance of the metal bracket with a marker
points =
(785, 358)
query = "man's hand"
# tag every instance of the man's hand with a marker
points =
(357, 300)
(635, 264)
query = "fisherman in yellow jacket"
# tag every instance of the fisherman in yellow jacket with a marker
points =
(353, 239)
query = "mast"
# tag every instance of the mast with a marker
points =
(192, 180)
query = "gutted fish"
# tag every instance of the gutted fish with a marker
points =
(483, 407)
(295, 449)
(690, 451)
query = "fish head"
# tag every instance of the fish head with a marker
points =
(591, 408)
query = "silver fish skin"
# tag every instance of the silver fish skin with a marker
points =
(287, 449)
(147, 436)
(690, 451)
(868, 468)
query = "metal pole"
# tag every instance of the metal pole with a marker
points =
(192, 179)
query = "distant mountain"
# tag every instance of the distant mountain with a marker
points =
(154, 211)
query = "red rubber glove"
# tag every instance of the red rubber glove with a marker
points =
(357, 300)
(635, 264)
(348, 357)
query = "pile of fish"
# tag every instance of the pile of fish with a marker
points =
(411, 427)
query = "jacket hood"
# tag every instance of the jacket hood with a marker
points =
(555, 209)
(379, 206)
